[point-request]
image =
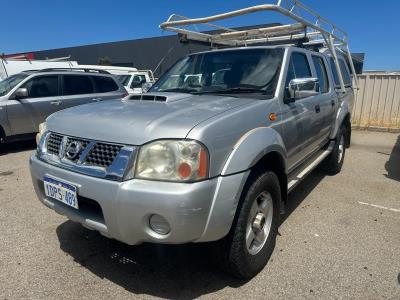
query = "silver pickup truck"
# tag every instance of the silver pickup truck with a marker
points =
(210, 158)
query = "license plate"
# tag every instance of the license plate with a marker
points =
(60, 191)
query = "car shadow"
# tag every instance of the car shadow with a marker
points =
(14, 147)
(301, 191)
(168, 271)
(392, 166)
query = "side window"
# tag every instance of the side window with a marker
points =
(77, 84)
(104, 84)
(345, 72)
(42, 86)
(321, 73)
(334, 72)
(298, 67)
(137, 81)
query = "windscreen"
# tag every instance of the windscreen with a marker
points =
(9, 83)
(244, 70)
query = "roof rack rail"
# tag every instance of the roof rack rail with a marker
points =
(87, 70)
(309, 28)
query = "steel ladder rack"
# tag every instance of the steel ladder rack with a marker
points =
(309, 25)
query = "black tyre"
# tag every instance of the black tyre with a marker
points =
(334, 161)
(247, 248)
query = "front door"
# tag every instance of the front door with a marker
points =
(298, 117)
(43, 99)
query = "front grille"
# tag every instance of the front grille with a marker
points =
(82, 142)
(86, 156)
(102, 155)
(54, 143)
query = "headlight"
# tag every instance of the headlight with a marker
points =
(172, 160)
(42, 129)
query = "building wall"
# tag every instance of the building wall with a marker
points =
(146, 53)
(141, 54)
(377, 102)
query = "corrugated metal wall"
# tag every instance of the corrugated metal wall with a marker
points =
(377, 101)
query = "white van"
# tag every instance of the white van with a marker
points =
(11, 66)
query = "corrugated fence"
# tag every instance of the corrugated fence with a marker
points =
(377, 101)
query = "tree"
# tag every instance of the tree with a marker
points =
(105, 61)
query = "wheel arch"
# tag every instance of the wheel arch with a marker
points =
(347, 124)
(252, 147)
(260, 148)
(2, 134)
(274, 161)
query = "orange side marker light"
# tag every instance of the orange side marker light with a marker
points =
(272, 117)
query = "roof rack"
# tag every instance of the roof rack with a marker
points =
(309, 28)
(86, 70)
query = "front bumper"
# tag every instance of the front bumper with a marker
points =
(196, 212)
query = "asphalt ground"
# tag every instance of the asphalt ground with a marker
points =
(339, 239)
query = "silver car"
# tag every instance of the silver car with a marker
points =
(208, 155)
(28, 98)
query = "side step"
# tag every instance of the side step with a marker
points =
(301, 172)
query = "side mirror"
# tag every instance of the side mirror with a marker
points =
(146, 86)
(21, 93)
(303, 87)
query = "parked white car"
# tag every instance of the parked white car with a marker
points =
(135, 81)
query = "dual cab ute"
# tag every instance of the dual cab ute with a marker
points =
(210, 159)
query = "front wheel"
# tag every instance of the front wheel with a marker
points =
(251, 240)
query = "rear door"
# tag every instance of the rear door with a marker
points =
(349, 95)
(77, 89)
(43, 99)
(326, 100)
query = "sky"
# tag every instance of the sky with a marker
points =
(48, 24)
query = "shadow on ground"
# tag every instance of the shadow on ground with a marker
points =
(301, 191)
(15, 147)
(168, 271)
(392, 166)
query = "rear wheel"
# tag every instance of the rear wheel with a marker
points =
(334, 161)
(249, 245)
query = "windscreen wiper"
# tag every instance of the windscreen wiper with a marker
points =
(233, 90)
(179, 90)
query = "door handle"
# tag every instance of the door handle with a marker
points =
(96, 99)
(317, 108)
(57, 103)
(333, 102)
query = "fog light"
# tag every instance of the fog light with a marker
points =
(159, 224)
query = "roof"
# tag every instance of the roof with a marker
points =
(69, 71)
